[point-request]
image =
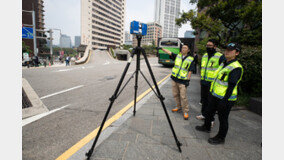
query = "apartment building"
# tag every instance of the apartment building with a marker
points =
(102, 23)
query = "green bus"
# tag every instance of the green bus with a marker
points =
(172, 44)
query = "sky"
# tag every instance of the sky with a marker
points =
(65, 15)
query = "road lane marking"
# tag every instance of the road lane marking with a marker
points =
(39, 116)
(53, 94)
(115, 117)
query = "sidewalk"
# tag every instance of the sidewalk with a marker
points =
(148, 134)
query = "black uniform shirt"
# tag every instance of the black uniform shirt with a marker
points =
(222, 59)
(185, 82)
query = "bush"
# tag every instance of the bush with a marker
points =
(112, 53)
(150, 49)
(251, 60)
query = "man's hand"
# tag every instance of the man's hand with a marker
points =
(187, 83)
(167, 51)
(189, 75)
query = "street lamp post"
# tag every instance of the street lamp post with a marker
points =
(59, 38)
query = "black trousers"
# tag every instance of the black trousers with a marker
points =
(194, 69)
(223, 115)
(204, 97)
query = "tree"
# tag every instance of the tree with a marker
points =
(26, 48)
(227, 20)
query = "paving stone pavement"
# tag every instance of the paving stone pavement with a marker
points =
(148, 134)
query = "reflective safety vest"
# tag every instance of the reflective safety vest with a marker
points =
(208, 67)
(180, 70)
(220, 84)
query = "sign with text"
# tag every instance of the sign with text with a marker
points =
(27, 33)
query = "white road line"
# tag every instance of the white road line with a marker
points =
(53, 94)
(39, 116)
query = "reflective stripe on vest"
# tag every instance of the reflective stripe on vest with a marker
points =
(208, 67)
(180, 70)
(220, 84)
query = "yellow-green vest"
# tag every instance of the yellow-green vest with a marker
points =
(220, 84)
(180, 70)
(208, 67)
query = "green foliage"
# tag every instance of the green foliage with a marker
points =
(126, 47)
(243, 100)
(230, 20)
(251, 60)
(201, 46)
(150, 49)
(26, 48)
(112, 53)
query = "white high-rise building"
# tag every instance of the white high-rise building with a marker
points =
(166, 11)
(65, 41)
(102, 23)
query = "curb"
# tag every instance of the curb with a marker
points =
(37, 106)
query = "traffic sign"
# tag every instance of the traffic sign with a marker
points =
(27, 33)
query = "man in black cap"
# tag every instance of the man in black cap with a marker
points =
(224, 91)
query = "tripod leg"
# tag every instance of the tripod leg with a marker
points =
(89, 154)
(161, 99)
(136, 79)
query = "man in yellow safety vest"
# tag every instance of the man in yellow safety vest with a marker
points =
(181, 74)
(224, 91)
(209, 64)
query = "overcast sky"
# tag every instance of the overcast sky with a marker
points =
(65, 15)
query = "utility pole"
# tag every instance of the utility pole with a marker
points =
(34, 33)
(51, 50)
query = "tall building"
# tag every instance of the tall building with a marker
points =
(189, 34)
(37, 6)
(154, 31)
(77, 41)
(65, 41)
(166, 11)
(127, 38)
(102, 23)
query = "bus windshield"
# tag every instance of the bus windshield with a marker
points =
(169, 43)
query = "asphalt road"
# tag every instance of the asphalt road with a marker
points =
(89, 86)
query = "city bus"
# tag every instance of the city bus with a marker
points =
(174, 45)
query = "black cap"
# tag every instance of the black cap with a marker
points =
(232, 46)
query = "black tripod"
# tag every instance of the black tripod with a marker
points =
(136, 51)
